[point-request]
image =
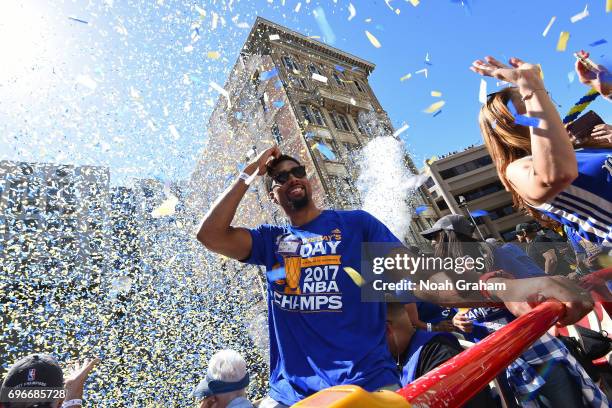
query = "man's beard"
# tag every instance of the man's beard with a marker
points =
(299, 203)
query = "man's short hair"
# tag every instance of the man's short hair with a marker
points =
(272, 165)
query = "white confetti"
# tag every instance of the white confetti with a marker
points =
(583, 14)
(352, 11)
(401, 130)
(482, 93)
(87, 82)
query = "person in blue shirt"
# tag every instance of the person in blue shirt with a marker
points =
(321, 333)
(417, 352)
(549, 174)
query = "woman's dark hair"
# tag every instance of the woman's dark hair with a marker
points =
(450, 244)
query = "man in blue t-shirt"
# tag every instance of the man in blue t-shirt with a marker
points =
(321, 333)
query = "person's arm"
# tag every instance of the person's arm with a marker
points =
(216, 232)
(550, 261)
(552, 166)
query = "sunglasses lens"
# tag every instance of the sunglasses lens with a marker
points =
(299, 171)
(282, 177)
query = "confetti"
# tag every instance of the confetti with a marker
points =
(274, 37)
(78, 20)
(582, 15)
(482, 92)
(278, 104)
(437, 113)
(436, 94)
(266, 75)
(550, 23)
(563, 38)
(405, 77)
(188, 48)
(87, 82)
(328, 34)
(352, 11)
(423, 71)
(166, 209)
(427, 61)
(372, 39)
(221, 91)
(325, 150)
(355, 276)
(434, 107)
(401, 130)
(339, 68)
(414, 2)
(608, 6)
(297, 7)
(598, 42)
(213, 55)
(522, 119)
(319, 78)
(571, 76)
(175, 134)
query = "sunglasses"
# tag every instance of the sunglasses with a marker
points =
(283, 176)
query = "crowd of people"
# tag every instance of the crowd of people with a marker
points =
(321, 332)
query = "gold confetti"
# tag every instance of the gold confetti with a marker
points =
(563, 39)
(414, 2)
(354, 275)
(372, 39)
(405, 77)
(434, 107)
(436, 94)
(213, 55)
(608, 6)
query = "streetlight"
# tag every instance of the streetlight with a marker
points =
(463, 204)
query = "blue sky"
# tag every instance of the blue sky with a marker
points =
(125, 89)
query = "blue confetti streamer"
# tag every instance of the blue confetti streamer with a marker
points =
(437, 113)
(325, 151)
(278, 104)
(328, 34)
(598, 42)
(522, 119)
(339, 68)
(78, 20)
(264, 76)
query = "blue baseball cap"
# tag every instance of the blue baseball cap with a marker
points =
(209, 386)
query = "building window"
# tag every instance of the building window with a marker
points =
(276, 134)
(359, 86)
(298, 82)
(314, 69)
(429, 183)
(313, 115)
(442, 205)
(306, 113)
(340, 122)
(290, 63)
(466, 167)
(338, 80)
(482, 191)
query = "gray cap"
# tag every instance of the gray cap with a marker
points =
(454, 222)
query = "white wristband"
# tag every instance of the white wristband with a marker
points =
(72, 403)
(243, 176)
(429, 327)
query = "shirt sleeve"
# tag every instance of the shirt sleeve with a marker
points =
(262, 245)
(376, 231)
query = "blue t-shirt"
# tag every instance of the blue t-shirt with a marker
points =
(321, 333)
(586, 205)
(432, 313)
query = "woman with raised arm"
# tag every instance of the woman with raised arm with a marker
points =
(538, 164)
